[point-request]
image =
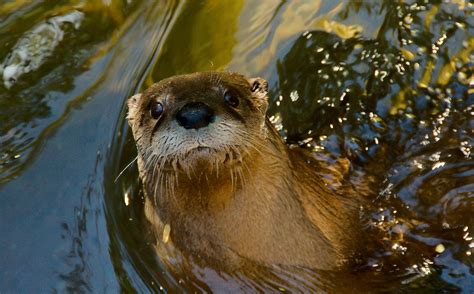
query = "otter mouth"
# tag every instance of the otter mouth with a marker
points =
(214, 155)
(201, 150)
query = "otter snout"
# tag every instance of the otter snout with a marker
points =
(195, 115)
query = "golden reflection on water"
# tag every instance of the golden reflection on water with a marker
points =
(388, 85)
(202, 39)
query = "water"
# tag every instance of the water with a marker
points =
(388, 85)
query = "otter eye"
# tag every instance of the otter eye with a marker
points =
(231, 98)
(156, 109)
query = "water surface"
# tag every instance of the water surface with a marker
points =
(387, 85)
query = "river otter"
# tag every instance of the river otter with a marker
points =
(222, 184)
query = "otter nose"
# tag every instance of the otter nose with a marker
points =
(195, 115)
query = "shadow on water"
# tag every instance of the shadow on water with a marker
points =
(388, 85)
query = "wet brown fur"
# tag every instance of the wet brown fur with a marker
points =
(244, 196)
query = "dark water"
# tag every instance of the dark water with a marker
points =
(388, 85)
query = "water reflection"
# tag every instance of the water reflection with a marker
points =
(388, 85)
(60, 64)
(204, 34)
(400, 108)
(357, 90)
(54, 233)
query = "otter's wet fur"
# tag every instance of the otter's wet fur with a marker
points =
(233, 192)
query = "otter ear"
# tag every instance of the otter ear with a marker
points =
(132, 104)
(259, 88)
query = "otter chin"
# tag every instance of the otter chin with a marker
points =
(216, 172)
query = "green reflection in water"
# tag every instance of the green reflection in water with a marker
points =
(38, 98)
(202, 39)
(406, 121)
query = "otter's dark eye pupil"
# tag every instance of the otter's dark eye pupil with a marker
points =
(156, 109)
(231, 99)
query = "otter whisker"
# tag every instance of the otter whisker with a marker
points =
(232, 178)
(168, 187)
(241, 176)
(175, 184)
(159, 181)
(139, 138)
(153, 166)
(248, 172)
(260, 148)
(125, 168)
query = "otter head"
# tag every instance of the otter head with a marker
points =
(194, 123)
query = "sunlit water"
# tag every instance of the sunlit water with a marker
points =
(387, 85)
